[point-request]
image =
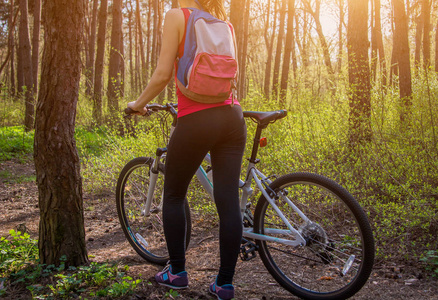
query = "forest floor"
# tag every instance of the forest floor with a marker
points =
(106, 243)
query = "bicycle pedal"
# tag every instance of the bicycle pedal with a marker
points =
(248, 251)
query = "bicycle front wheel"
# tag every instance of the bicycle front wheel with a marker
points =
(144, 230)
(339, 253)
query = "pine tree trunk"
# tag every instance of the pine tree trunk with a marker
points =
(100, 56)
(358, 72)
(269, 42)
(89, 69)
(144, 71)
(61, 228)
(436, 47)
(425, 11)
(243, 53)
(116, 58)
(26, 66)
(340, 34)
(11, 45)
(36, 44)
(278, 50)
(288, 48)
(418, 40)
(401, 55)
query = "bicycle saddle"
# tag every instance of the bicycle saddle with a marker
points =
(263, 118)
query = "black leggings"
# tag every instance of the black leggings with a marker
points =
(222, 131)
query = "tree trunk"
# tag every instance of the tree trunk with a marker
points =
(340, 34)
(418, 42)
(269, 42)
(288, 48)
(425, 11)
(243, 52)
(116, 58)
(89, 69)
(143, 72)
(98, 69)
(401, 55)
(131, 66)
(36, 43)
(358, 72)
(61, 228)
(237, 11)
(11, 42)
(276, 75)
(436, 47)
(26, 66)
(379, 41)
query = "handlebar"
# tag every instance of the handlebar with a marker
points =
(154, 107)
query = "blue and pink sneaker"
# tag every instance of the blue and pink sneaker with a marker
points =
(174, 281)
(224, 292)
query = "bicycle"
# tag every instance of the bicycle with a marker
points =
(311, 234)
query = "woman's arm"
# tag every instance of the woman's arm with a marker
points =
(173, 30)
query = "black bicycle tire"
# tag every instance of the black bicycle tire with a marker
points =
(365, 229)
(124, 175)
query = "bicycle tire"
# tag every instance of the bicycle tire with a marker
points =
(339, 240)
(144, 233)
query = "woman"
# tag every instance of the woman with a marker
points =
(218, 128)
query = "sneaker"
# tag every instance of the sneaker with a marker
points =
(224, 292)
(174, 281)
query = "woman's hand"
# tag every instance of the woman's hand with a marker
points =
(139, 110)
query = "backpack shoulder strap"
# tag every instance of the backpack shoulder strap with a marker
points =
(186, 12)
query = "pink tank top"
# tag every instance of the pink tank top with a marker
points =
(186, 105)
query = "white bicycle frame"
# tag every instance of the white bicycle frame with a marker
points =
(251, 174)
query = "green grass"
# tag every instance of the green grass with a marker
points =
(15, 143)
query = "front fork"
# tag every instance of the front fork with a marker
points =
(153, 176)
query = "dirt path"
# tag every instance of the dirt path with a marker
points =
(106, 242)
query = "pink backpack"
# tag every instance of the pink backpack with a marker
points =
(207, 71)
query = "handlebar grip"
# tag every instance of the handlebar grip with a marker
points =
(129, 111)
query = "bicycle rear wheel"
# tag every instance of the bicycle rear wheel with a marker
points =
(144, 231)
(339, 253)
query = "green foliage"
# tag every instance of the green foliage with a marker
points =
(431, 260)
(19, 266)
(16, 252)
(171, 294)
(15, 143)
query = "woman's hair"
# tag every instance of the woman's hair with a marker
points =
(215, 8)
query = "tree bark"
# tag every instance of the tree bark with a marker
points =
(144, 70)
(61, 227)
(436, 47)
(116, 60)
(278, 50)
(26, 66)
(289, 47)
(11, 41)
(425, 11)
(269, 42)
(100, 56)
(418, 40)
(358, 72)
(401, 54)
(340, 34)
(89, 69)
(36, 43)
(243, 52)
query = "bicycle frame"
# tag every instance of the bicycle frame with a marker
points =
(254, 174)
